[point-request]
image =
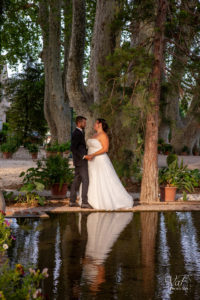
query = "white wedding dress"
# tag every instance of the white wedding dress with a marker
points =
(103, 231)
(105, 188)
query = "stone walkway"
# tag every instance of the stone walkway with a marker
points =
(63, 207)
(9, 179)
(10, 169)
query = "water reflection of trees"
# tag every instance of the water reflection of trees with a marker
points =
(178, 256)
(131, 259)
(149, 224)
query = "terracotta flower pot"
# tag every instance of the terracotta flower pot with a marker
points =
(184, 153)
(34, 155)
(50, 153)
(59, 193)
(7, 155)
(168, 193)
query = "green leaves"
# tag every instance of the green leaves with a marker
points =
(26, 93)
(179, 176)
(54, 169)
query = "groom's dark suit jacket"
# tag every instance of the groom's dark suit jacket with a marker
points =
(78, 146)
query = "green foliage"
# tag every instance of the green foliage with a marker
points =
(90, 18)
(185, 149)
(179, 176)
(4, 133)
(20, 31)
(19, 283)
(171, 158)
(26, 115)
(7, 195)
(11, 146)
(130, 165)
(56, 147)
(33, 148)
(54, 169)
(5, 234)
(125, 80)
(31, 196)
(164, 147)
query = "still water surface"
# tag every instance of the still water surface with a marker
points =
(147, 255)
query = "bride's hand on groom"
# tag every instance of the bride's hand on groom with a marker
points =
(88, 157)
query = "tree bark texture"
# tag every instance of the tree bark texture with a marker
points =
(56, 108)
(185, 131)
(149, 187)
(103, 42)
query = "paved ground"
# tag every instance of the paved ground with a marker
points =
(11, 168)
(9, 179)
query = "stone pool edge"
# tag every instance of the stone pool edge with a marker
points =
(45, 212)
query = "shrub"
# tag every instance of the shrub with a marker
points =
(9, 146)
(20, 284)
(58, 147)
(54, 169)
(179, 176)
(32, 148)
(5, 233)
(171, 158)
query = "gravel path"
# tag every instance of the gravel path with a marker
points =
(11, 168)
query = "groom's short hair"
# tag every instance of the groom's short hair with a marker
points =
(79, 119)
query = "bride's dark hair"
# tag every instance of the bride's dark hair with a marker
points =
(104, 124)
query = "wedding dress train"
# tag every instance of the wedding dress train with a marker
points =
(105, 188)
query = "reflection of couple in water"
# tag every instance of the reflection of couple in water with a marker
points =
(103, 229)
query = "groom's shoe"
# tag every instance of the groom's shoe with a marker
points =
(86, 205)
(74, 204)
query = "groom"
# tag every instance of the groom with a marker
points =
(79, 151)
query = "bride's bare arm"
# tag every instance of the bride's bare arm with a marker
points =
(104, 140)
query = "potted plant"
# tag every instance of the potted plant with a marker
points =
(8, 149)
(54, 172)
(185, 150)
(33, 149)
(58, 175)
(160, 145)
(167, 149)
(65, 147)
(175, 177)
(195, 151)
(52, 149)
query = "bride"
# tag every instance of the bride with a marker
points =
(105, 188)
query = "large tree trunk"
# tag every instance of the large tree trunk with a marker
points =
(184, 131)
(103, 43)
(189, 133)
(149, 188)
(79, 99)
(56, 107)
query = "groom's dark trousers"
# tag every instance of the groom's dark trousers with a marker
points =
(78, 148)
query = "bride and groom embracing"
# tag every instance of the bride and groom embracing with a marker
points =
(101, 187)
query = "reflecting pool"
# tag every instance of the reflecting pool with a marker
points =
(146, 255)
